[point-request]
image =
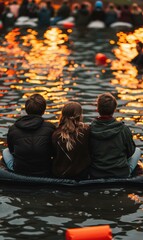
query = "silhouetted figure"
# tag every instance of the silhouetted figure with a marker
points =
(43, 16)
(8, 18)
(82, 17)
(64, 10)
(111, 15)
(138, 60)
(14, 9)
(98, 12)
(23, 8)
(51, 9)
(62, 13)
(32, 9)
(136, 15)
(118, 10)
(125, 14)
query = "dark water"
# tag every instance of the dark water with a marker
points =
(61, 66)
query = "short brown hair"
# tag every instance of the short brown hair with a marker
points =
(106, 104)
(35, 104)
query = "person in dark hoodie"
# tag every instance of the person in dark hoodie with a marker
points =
(112, 149)
(29, 141)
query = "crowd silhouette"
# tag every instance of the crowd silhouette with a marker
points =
(83, 13)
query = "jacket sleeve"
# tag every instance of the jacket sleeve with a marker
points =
(129, 142)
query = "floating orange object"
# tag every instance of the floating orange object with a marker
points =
(10, 72)
(100, 59)
(68, 25)
(89, 233)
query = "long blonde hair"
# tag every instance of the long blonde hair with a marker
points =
(71, 123)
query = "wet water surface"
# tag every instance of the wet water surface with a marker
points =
(60, 65)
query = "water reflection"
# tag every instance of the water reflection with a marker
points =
(61, 66)
(52, 212)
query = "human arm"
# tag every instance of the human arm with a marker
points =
(128, 141)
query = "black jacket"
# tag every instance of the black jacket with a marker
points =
(29, 140)
(111, 145)
(72, 163)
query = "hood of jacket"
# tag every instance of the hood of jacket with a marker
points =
(29, 122)
(106, 129)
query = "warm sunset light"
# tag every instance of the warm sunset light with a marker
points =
(42, 63)
(127, 80)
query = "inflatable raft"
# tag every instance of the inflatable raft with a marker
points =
(8, 177)
(69, 23)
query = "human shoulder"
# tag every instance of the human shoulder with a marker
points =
(126, 129)
(49, 124)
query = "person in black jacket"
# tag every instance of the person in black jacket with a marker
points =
(29, 141)
(138, 59)
(112, 149)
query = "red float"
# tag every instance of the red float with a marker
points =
(89, 233)
(68, 25)
(100, 59)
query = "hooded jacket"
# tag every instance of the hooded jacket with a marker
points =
(29, 140)
(111, 145)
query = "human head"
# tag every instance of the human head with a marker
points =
(106, 104)
(35, 104)
(139, 46)
(125, 6)
(134, 5)
(98, 4)
(42, 5)
(71, 111)
(48, 3)
(111, 6)
(65, 2)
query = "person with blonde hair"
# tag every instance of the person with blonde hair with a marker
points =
(70, 142)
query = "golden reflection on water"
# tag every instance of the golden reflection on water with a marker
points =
(134, 197)
(42, 62)
(128, 81)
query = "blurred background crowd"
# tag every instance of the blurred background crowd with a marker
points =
(48, 13)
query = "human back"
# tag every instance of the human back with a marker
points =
(70, 142)
(111, 142)
(29, 139)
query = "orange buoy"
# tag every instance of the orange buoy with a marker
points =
(68, 25)
(89, 233)
(100, 59)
